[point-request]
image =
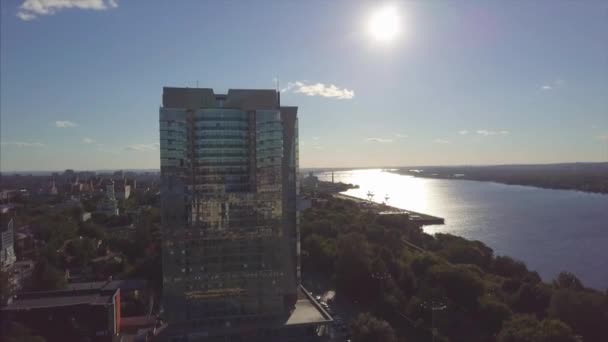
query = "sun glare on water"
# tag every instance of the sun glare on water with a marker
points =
(384, 23)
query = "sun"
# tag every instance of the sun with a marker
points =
(383, 25)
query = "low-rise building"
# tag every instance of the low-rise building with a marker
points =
(8, 195)
(7, 242)
(83, 314)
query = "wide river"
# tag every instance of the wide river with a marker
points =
(550, 230)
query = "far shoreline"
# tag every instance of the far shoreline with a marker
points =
(499, 182)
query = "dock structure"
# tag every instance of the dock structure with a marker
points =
(383, 209)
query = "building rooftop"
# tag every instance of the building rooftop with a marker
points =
(91, 293)
(195, 98)
(124, 285)
(38, 300)
(307, 311)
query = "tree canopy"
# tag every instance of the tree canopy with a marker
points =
(367, 328)
(481, 295)
(527, 328)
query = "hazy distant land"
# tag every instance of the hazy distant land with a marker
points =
(588, 177)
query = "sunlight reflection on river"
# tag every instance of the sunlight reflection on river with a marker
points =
(551, 230)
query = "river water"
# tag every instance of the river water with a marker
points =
(550, 230)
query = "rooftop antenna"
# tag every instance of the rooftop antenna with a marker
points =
(197, 83)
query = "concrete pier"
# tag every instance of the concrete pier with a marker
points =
(383, 209)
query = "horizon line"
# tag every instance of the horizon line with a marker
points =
(325, 167)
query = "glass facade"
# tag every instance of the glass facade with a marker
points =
(229, 220)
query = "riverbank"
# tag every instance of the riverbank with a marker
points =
(364, 255)
(536, 225)
(420, 219)
(584, 177)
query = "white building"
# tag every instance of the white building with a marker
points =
(109, 204)
(7, 242)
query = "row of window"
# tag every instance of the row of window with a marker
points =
(226, 124)
(222, 154)
(247, 274)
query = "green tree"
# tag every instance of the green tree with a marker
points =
(4, 287)
(46, 277)
(459, 283)
(407, 280)
(461, 251)
(320, 254)
(422, 262)
(353, 265)
(90, 204)
(511, 286)
(507, 267)
(527, 328)
(492, 315)
(74, 212)
(553, 330)
(82, 251)
(585, 311)
(392, 263)
(92, 230)
(55, 229)
(532, 298)
(367, 328)
(15, 332)
(567, 280)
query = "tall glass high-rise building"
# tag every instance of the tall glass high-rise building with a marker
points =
(229, 166)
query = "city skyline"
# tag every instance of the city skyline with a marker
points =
(473, 83)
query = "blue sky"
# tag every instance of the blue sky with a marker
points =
(464, 82)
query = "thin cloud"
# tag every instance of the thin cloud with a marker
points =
(401, 136)
(558, 83)
(88, 140)
(25, 16)
(463, 132)
(486, 132)
(103, 148)
(142, 147)
(22, 144)
(31, 9)
(64, 124)
(319, 89)
(441, 141)
(315, 143)
(379, 140)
